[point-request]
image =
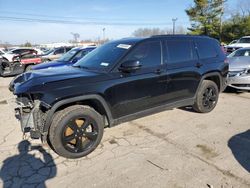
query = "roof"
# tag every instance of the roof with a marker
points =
(178, 36)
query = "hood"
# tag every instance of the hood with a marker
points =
(238, 45)
(239, 63)
(49, 79)
(50, 64)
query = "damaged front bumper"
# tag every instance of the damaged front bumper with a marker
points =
(29, 114)
(239, 79)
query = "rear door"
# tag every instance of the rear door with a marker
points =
(182, 68)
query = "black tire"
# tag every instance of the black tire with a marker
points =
(28, 68)
(207, 97)
(69, 127)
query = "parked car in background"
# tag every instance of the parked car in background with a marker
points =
(20, 64)
(67, 59)
(241, 43)
(3, 51)
(55, 53)
(9, 55)
(117, 82)
(239, 69)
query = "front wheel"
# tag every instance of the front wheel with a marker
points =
(207, 97)
(76, 131)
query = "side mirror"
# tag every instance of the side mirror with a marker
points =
(130, 66)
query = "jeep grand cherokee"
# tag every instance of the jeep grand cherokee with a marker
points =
(117, 82)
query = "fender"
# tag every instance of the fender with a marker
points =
(72, 100)
(209, 75)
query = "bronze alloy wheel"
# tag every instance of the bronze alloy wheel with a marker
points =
(76, 131)
(79, 134)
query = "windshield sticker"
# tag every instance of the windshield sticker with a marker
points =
(124, 46)
(104, 64)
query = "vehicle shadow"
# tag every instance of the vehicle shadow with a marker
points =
(188, 109)
(240, 146)
(234, 91)
(26, 170)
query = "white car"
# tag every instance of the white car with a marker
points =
(10, 54)
(241, 43)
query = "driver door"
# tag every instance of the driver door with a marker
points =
(142, 89)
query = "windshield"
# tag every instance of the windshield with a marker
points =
(240, 53)
(103, 57)
(244, 40)
(48, 52)
(69, 55)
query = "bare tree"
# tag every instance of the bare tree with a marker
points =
(244, 7)
(147, 32)
(76, 36)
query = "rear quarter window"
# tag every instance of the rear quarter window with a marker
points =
(207, 49)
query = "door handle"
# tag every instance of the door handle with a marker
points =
(199, 65)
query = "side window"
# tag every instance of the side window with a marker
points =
(180, 51)
(59, 51)
(206, 49)
(148, 53)
(17, 51)
(68, 49)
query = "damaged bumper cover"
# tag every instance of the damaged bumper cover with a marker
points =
(30, 115)
(239, 79)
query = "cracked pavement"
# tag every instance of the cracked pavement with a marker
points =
(175, 148)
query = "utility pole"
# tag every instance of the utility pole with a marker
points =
(221, 15)
(103, 32)
(174, 20)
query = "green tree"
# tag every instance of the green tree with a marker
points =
(236, 27)
(206, 17)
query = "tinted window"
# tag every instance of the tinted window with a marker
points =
(148, 53)
(180, 51)
(17, 51)
(68, 49)
(59, 51)
(206, 49)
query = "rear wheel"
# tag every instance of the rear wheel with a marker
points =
(207, 97)
(76, 131)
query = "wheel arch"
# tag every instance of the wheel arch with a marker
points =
(95, 101)
(215, 77)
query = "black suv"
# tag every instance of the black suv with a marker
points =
(117, 82)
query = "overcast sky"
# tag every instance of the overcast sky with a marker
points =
(27, 20)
